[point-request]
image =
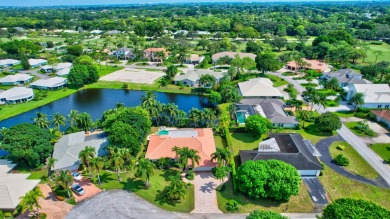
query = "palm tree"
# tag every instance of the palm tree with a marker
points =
(41, 120)
(210, 117)
(97, 164)
(221, 172)
(176, 149)
(222, 156)
(58, 120)
(31, 200)
(148, 100)
(117, 161)
(73, 116)
(64, 179)
(145, 168)
(321, 100)
(86, 157)
(223, 123)
(193, 155)
(50, 164)
(177, 189)
(183, 157)
(357, 99)
(304, 115)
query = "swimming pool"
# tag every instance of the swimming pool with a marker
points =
(163, 132)
(240, 117)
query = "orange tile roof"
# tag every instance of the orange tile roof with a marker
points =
(155, 50)
(313, 64)
(161, 146)
(382, 113)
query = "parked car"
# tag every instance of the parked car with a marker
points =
(78, 189)
(76, 176)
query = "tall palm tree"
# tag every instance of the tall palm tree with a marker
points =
(86, 157)
(31, 200)
(145, 168)
(304, 115)
(50, 164)
(193, 155)
(176, 149)
(58, 120)
(222, 156)
(183, 157)
(210, 117)
(117, 161)
(97, 164)
(357, 99)
(41, 120)
(148, 99)
(73, 116)
(64, 179)
(177, 189)
(223, 123)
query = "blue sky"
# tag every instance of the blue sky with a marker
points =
(100, 2)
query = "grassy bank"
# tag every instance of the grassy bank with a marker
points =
(357, 164)
(351, 126)
(383, 150)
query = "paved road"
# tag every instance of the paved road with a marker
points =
(122, 204)
(296, 84)
(316, 190)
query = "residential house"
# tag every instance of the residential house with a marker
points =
(123, 53)
(54, 83)
(375, 95)
(231, 55)
(8, 62)
(200, 139)
(258, 88)
(152, 54)
(96, 32)
(309, 65)
(113, 32)
(37, 62)
(345, 77)
(290, 148)
(382, 116)
(16, 79)
(273, 109)
(56, 67)
(193, 59)
(67, 149)
(13, 186)
(192, 77)
(16, 95)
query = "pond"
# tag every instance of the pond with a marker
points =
(96, 101)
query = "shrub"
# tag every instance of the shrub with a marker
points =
(42, 215)
(1, 214)
(7, 214)
(360, 115)
(290, 113)
(60, 198)
(190, 175)
(262, 214)
(363, 110)
(328, 122)
(298, 127)
(71, 201)
(376, 43)
(340, 147)
(232, 206)
(341, 160)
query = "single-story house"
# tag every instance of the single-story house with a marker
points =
(290, 148)
(273, 109)
(8, 62)
(57, 67)
(152, 54)
(96, 32)
(67, 149)
(382, 116)
(16, 79)
(16, 95)
(345, 77)
(13, 185)
(113, 32)
(258, 88)
(199, 139)
(191, 77)
(309, 65)
(37, 62)
(185, 32)
(232, 55)
(375, 95)
(123, 53)
(193, 59)
(54, 83)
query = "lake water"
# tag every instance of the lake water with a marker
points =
(96, 101)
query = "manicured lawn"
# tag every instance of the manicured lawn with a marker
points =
(151, 69)
(244, 141)
(298, 203)
(5, 87)
(34, 174)
(383, 150)
(15, 109)
(338, 186)
(357, 164)
(154, 194)
(385, 48)
(310, 132)
(105, 70)
(219, 141)
(277, 81)
(351, 126)
(345, 114)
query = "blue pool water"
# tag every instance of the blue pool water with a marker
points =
(240, 117)
(163, 132)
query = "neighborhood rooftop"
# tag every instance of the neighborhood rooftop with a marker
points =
(15, 78)
(258, 87)
(50, 82)
(17, 93)
(6, 62)
(219, 55)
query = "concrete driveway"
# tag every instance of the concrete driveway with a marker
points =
(316, 190)
(205, 194)
(133, 75)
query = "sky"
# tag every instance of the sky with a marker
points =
(109, 2)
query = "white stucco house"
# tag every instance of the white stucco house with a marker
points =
(16, 95)
(375, 95)
(16, 79)
(8, 62)
(258, 88)
(192, 77)
(37, 62)
(54, 83)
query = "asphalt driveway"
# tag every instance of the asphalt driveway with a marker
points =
(316, 190)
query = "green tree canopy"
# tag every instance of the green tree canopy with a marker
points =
(262, 214)
(125, 136)
(75, 50)
(267, 62)
(257, 125)
(13, 47)
(328, 122)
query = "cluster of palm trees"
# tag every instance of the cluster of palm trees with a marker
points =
(31, 200)
(313, 96)
(170, 115)
(223, 157)
(184, 154)
(177, 189)
(80, 120)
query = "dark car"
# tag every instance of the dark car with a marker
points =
(76, 188)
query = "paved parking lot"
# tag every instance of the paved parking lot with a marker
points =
(90, 190)
(316, 190)
(133, 75)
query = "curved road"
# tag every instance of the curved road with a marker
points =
(323, 147)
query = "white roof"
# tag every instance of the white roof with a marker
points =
(194, 75)
(70, 31)
(374, 93)
(258, 87)
(63, 72)
(50, 82)
(15, 78)
(37, 61)
(17, 93)
(9, 62)
(13, 186)
(96, 31)
(63, 65)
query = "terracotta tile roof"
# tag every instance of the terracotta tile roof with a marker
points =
(161, 145)
(155, 50)
(312, 64)
(382, 113)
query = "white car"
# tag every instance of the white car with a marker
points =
(76, 176)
